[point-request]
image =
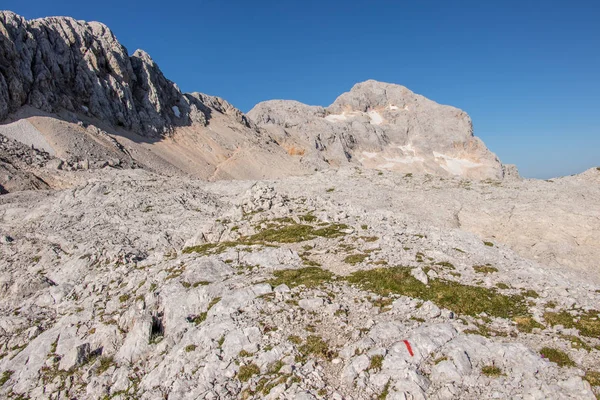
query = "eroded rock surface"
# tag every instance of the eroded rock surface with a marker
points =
(136, 285)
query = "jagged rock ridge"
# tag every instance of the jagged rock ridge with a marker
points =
(61, 63)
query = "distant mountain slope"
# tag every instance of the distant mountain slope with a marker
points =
(384, 126)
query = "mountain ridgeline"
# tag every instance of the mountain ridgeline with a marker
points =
(69, 88)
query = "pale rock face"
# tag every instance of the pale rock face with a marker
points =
(61, 63)
(383, 126)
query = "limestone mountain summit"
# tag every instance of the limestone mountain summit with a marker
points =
(383, 126)
(71, 89)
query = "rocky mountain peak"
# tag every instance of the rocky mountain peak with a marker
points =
(383, 126)
(61, 64)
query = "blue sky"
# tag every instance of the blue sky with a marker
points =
(527, 72)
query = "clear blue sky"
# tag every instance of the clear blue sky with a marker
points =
(528, 72)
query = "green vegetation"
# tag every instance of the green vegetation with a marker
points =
(593, 377)
(200, 318)
(485, 269)
(315, 345)
(557, 356)
(308, 217)
(104, 364)
(409, 175)
(376, 362)
(384, 393)
(213, 248)
(501, 285)
(123, 298)
(297, 233)
(364, 227)
(439, 360)
(526, 324)
(330, 190)
(576, 342)
(190, 347)
(295, 339)
(463, 299)
(275, 367)
(354, 259)
(5, 377)
(445, 264)
(588, 322)
(309, 277)
(531, 293)
(369, 239)
(248, 371)
(244, 353)
(489, 244)
(279, 230)
(492, 371)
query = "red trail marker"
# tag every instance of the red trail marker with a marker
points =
(409, 348)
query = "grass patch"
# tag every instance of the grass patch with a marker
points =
(244, 353)
(315, 345)
(289, 232)
(557, 356)
(501, 285)
(248, 371)
(531, 293)
(463, 299)
(123, 298)
(200, 318)
(330, 190)
(308, 276)
(354, 259)
(526, 324)
(376, 362)
(297, 233)
(275, 367)
(576, 342)
(308, 217)
(5, 377)
(593, 377)
(104, 364)
(369, 239)
(190, 347)
(446, 264)
(492, 371)
(588, 323)
(213, 248)
(485, 269)
(295, 339)
(489, 244)
(384, 393)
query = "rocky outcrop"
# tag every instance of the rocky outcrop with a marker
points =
(383, 126)
(55, 64)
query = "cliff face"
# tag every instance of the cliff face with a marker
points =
(61, 63)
